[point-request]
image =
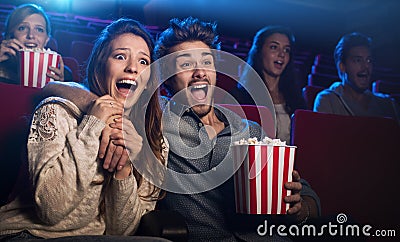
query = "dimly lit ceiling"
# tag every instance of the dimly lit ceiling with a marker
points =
(317, 24)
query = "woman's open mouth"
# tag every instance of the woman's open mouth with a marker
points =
(126, 86)
(278, 64)
(30, 45)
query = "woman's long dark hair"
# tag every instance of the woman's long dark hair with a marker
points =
(147, 106)
(287, 82)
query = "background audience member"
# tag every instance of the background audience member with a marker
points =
(271, 57)
(69, 192)
(190, 121)
(27, 26)
(352, 96)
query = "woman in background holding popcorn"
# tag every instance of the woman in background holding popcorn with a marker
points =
(27, 27)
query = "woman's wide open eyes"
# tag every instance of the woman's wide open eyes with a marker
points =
(39, 30)
(120, 57)
(144, 62)
(21, 28)
(287, 50)
(273, 47)
(123, 57)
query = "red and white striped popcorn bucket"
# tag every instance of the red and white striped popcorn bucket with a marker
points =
(259, 181)
(34, 65)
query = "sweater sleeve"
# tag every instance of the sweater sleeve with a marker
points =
(126, 203)
(62, 160)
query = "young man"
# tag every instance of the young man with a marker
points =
(192, 121)
(352, 96)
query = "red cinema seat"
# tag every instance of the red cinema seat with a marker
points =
(260, 114)
(17, 104)
(387, 87)
(73, 64)
(309, 95)
(323, 80)
(352, 163)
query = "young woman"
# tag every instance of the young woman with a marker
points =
(271, 57)
(70, 193)
(26, 27)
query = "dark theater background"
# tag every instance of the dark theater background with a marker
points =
(317, 24)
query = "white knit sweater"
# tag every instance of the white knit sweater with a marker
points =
(66, 178)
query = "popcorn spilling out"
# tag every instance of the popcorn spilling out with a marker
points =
(265, 141)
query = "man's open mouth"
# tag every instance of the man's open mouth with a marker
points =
(362, 75)
(199, 92)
